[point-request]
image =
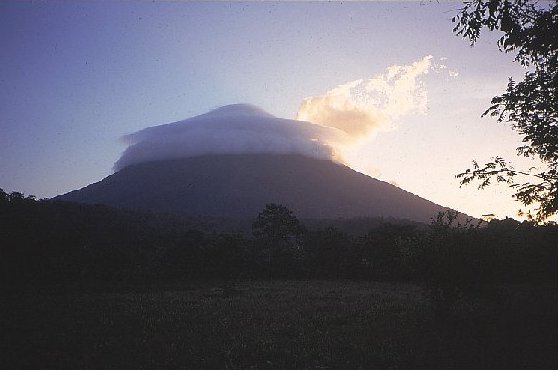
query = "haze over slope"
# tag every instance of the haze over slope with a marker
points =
(239, 186)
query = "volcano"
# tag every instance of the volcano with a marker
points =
(240, 185)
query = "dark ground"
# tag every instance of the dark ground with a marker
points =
(277, 325)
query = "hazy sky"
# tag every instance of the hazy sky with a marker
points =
(77, 76)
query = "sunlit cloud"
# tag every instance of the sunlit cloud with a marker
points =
(363, 106)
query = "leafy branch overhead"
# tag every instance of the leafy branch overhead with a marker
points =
(529, 106)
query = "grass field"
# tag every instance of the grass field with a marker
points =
(277, 325)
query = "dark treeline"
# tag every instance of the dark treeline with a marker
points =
(47, 242)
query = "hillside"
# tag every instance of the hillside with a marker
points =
(239, 186)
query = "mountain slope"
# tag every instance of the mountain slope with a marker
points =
(240, 185)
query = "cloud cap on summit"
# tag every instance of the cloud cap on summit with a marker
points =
(231, 129)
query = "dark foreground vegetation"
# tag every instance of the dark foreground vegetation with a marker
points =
(276, 325)
(92, 287)
(45, 242)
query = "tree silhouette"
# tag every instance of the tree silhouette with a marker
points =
(3, 196)
(279, 234)
(529, 106)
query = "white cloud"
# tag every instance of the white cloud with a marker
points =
(362, 106)
(238, 128)
(453, 74)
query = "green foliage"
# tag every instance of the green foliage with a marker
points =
(277, 224)
(529, 106)
(384, 252)
(46, 242)
(279, 235)
(92, 287)
(330, 253)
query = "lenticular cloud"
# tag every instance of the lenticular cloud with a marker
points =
(232, 129)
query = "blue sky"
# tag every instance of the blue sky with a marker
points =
(75, 77)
